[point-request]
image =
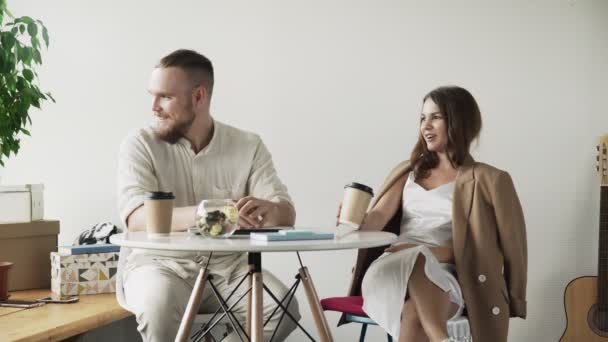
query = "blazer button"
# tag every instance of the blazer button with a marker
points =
(482, 278)
(496, 310)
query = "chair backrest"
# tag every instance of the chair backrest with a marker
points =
(459, 329)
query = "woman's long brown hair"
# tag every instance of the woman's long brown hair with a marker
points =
(463, 120)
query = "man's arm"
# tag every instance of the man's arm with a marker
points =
(136, 176)
(268, 203)
(183, 218)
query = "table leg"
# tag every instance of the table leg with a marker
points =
(257, 314)
(257, 326)
(315, 306)
(192, 307)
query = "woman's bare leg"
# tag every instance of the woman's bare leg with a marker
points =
(432, 303)
(411, 330)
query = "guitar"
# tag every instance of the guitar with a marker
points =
(586, 298)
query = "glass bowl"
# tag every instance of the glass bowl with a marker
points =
(217, 218)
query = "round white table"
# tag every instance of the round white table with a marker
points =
(189, 242)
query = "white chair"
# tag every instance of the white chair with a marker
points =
(459, 329)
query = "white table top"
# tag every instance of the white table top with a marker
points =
(183, 241)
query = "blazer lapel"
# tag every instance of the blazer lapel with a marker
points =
(461, 208)
(395, 174)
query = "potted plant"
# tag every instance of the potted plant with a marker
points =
(21, 41)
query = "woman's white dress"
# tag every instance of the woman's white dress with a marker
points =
(427, 222)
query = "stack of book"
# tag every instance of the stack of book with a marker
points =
(291, 235)
(84, 269)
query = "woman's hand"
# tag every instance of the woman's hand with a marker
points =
(397, 248)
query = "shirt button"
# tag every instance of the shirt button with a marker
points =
(495, 310)
(482, 278)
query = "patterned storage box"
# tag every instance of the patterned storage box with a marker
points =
(84, 273)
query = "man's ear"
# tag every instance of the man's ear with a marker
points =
(201, 95)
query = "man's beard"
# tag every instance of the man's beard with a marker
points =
(172, 131)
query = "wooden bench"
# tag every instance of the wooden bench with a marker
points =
(56, 322)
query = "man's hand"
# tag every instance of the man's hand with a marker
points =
(397, 248)
(254, 212)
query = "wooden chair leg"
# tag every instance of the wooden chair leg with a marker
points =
(192, 307)
(363, 331)
(249, 301)
(257, 327)
(315, 307)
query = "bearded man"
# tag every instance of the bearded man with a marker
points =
(187, 152)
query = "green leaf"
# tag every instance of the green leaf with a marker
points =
(24, 55)
(35, 42)
(21, 29)
(8, 40)
(28, 74)
(37, 57)
(45, 36)
(36, 102)
(25, 131)
(25, 19)
(32, 29)
(21, 83)
(10, 82)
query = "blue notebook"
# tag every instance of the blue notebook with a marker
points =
(291, 235)
(88, 249)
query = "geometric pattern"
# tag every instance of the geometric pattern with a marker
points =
(83, 274)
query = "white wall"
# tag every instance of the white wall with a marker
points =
(334, 89)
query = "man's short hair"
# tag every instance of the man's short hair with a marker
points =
(197, 66)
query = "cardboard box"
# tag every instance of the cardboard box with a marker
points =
(28, 245)
(21, 203)
(83, 274)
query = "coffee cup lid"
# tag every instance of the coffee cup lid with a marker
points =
(159, 195)
(361, 187)
(6, 264)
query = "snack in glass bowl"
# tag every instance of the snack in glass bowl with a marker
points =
(217, 218)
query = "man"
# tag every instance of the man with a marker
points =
(194, 156)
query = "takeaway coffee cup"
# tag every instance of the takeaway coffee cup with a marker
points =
(158, 207)
(354, 205)
(4, 268)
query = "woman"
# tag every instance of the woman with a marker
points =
(462, 239)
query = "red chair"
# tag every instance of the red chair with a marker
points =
(352, 308)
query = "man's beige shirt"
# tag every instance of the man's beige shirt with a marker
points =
(234, 164)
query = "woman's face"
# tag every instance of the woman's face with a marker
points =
(433, 127)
